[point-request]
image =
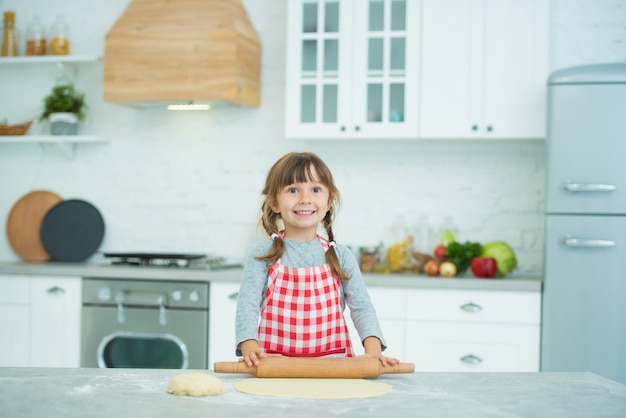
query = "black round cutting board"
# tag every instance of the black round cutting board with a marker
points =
(72, 230)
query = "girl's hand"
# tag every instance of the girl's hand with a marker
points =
(384, 360)
(373, 349)
(251, 352)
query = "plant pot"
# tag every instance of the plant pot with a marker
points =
(63, 123)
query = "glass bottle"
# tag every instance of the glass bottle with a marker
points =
(447, 231)
(35, 38)
(9, 41)
(424, 235)
(60, 43)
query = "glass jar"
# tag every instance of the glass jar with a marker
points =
(35, 38)
(9, 41)
(59, 43)
(368, 259)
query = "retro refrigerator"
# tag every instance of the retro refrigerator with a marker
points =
(584, 296)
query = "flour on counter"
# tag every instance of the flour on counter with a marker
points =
(83, 389)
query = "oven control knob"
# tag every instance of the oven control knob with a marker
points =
(194, 296)
(177, 295)
(104, 293)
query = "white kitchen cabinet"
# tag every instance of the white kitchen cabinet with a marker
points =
(14, 321)
(390, 310)
(14, 334)
(55, 306)
(352, 69)
(472, 347)
(484, 68)
(473, 330)
(15, 290)
(40, 321)
(445, 330)
(222, 310)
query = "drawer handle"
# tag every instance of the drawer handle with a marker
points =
(233, 296)
(471, 359)
(56, 290)
(471, 307)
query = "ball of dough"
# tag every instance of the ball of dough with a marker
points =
(196, 384)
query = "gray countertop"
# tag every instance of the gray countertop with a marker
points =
(69, 393)
(513, 282)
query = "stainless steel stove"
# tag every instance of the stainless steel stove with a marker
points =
(191, 261)
(137, 323)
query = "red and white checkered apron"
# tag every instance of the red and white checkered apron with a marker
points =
(301, 314)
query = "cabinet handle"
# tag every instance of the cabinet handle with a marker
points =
(474, 128)
(357, 128)
(342, 129)
(55, 290)
(588, 187)
(489, 128)
(233, 296)
(471, 307)
(471, 359)
(581, 242)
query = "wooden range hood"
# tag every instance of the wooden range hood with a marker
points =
(180, 51)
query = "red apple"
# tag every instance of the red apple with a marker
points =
(432, 268)
(440, 252)
(484, 266)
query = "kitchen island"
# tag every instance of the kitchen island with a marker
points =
(69, 393)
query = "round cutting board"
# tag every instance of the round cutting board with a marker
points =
(72, 230)
(24, 223)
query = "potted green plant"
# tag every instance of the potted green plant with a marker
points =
(64, 108)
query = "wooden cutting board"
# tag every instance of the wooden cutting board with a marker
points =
(24, 224)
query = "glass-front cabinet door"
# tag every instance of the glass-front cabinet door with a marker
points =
(318, 68)
(385, 68)
(352, 69)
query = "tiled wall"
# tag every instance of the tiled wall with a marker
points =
(191, 182)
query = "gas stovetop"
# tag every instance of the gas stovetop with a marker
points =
(192, 261)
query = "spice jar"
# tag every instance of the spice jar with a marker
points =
(59, 43)
(9, 41)
(35, 39)
(368, 259)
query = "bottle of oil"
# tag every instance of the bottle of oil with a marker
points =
(9, 41)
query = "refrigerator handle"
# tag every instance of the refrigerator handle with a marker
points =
(588, 187)
(581, 242)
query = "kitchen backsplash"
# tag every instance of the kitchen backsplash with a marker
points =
(191, 182)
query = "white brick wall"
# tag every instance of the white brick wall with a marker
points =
(588, 31)
(189, 182)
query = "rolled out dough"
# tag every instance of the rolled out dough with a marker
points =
(313, 388)
(196, 384)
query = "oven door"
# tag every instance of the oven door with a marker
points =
(144, 338)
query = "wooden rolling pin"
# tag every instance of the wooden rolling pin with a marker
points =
(346, 368)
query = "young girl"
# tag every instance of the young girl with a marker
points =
(298, 282)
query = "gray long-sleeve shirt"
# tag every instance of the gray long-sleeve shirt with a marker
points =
(302, 254)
